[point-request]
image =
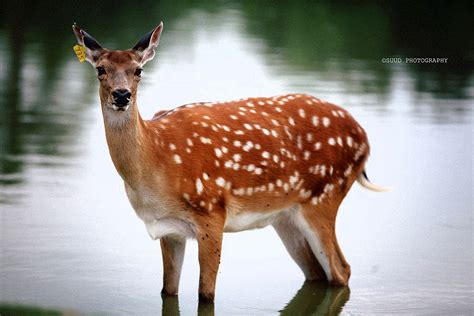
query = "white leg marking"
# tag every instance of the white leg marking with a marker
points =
(315, 243)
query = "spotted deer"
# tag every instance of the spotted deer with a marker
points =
(206, 168)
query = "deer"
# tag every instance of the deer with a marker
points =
(205, 168)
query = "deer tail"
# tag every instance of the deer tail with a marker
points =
(365, 182)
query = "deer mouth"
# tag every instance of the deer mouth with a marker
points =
(120, 107)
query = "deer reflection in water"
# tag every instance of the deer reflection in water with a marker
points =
(313, 298)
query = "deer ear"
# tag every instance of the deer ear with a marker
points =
(145, 48)
(92, 48)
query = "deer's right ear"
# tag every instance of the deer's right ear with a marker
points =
(92, 48)
(145, 48)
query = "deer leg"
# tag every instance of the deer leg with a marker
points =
(318, 223)
(209, 236)
(299, 249)
(172, 250)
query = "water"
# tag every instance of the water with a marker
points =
(70, 240)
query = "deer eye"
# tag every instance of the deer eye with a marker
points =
(100, 71)
(138, 72)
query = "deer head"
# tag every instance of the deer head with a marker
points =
(119, 71)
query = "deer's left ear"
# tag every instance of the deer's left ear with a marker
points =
(92, 48)
(145, 48)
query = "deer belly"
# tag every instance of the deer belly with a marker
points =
(169, 227)
(237, 220)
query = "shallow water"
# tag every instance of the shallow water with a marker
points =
(70, 240)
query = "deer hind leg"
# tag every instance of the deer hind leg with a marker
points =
(209, 235)
(298, 248)
(318, 224)
(172, 250)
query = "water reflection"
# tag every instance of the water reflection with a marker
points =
(170, 306)
(315, 298)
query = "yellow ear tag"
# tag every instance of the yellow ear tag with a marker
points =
(80, 52)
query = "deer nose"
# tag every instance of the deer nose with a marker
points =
(121, 97)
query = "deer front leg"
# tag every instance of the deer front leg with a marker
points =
(209, 237)
(172, 250)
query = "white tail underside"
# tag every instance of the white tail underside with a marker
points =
(364, 181)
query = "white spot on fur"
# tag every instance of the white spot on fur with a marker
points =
(305, 194)
(177, 159)
(322, 170)
(349, 141)
(220, 182)
(326, 121)
(205, 140)
(199, 186)
(299, 142)
(348, 171)
(248, 145)
(248, 126)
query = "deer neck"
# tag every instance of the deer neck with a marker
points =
(127, 141)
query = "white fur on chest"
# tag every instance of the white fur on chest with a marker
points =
(161, 216)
